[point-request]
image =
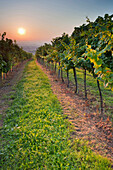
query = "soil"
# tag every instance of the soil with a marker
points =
(87, 124)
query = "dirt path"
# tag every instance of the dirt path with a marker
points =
(88, 127)
(6, 88)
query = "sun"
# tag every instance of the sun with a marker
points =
(21, 31)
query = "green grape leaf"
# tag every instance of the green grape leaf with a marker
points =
(98, 70)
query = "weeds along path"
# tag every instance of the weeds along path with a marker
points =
(7, 88)
(87, 125)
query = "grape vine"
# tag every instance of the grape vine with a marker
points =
(89, 47)
(10, 54)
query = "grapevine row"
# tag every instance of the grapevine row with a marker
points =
(89, 47)
(10, 55)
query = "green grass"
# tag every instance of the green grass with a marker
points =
(36, 135)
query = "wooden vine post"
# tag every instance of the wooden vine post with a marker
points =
(59, 71)
(75, 77)
(62, 75)
(85, 90)
(101, 99)
(68, 78)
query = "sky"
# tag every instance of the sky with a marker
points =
(47, 19)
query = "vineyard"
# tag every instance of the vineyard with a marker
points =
(37, 135)
(59, 114)
(11, 55)
(89, 48)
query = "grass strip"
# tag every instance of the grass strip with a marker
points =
(36, 135)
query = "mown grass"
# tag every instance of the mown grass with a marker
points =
(36, 135)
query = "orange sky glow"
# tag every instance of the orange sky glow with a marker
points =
(47, 19)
